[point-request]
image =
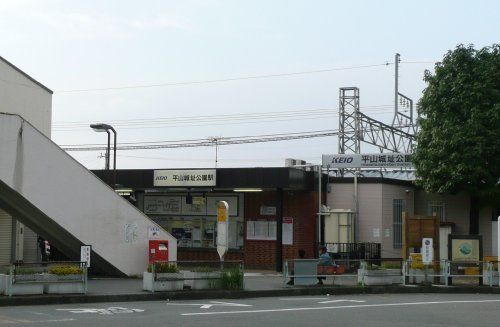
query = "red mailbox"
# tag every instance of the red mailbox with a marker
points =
(158, 251)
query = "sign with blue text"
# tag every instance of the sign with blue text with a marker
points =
(374, 160)
(427, 251)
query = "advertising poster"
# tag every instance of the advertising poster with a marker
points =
(287, 231)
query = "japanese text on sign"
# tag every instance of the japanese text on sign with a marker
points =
(367, 160)
(199, 177)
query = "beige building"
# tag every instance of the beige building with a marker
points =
(21, 94)
(381, 202)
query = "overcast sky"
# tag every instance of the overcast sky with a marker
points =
(88, 45)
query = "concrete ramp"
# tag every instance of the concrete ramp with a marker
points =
(55, 196)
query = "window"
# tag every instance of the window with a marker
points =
(195, 224)
(398, 207)
(436, 208)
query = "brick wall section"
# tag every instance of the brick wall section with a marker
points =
(302, 207)
(259, 254)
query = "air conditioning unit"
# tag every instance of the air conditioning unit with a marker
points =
(295, 162)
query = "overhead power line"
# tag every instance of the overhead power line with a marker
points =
(212, 116)
(234, 119)
(220, 80)
(231, 79)
(208, 142)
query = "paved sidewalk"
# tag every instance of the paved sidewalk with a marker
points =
(254, 281)
(257, 284)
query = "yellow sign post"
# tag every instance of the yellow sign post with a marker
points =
(222, 229)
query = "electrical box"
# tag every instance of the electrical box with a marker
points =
(339, 226)
(158, 251)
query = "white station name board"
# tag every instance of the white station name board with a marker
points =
(189, 177)
(374, 160)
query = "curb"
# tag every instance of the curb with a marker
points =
(217, 294)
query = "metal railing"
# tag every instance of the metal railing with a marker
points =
(389, 271)
(444, 271)
(46, 274)
(341, 272)
(179, 275)
(353, 251)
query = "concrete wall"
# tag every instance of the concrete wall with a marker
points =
(375, 219)
(457, 211)
(486, 229)
(376, 211)
(21, 95)
(370, 207)
(391, 192)
(456, 208)
(73, 198)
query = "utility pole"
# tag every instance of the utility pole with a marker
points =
(397, 60)
(215, 140)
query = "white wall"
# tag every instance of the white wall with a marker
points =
(20, 95)
(73, 197)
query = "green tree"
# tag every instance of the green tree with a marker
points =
(458, 146)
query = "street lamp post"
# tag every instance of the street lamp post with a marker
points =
(106, 128)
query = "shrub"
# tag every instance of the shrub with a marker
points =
(66, 270)
(417, 265)
(163, 267)
(391, 265)
(231, 279)
(373, 267)
(23, 271)
(204, 269)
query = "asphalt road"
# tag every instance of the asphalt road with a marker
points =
(354, 310)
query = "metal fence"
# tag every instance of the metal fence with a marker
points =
(389, 272)
(447, 272)
(343, 272)
(179, 275)
(353, 251)
(25, 278)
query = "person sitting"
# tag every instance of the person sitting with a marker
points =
(324, 261)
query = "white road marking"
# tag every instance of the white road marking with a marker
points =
(338, 307)
(337, 301)
(303, 298)
(24, 321)
(103, 311)
(213, 303)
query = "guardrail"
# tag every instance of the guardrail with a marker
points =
(179, 275)
(389, 271)
(342, 272)
(54, 277)
(443, 272)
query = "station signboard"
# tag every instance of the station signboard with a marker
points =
(373, 160)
